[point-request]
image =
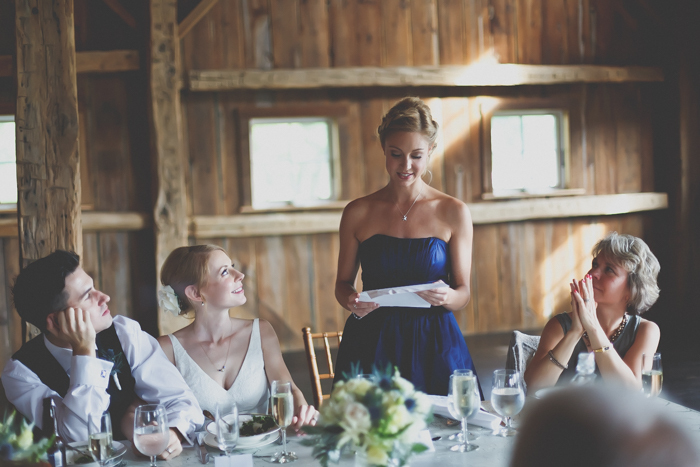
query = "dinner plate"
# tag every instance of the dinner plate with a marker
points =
(118, 451)
(246, 440)
(268, 438)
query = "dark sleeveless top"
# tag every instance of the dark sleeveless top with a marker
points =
(35, 356)
(425, 344)
(621, 345)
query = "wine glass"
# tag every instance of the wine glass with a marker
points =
(652, 374)
(465, 401)
(226, 419)
(283, 411)
(100, 436)
(151, 432)
(455, 414)
(507, 398)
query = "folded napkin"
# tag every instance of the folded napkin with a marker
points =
(481, 417)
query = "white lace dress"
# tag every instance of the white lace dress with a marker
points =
(249, 390)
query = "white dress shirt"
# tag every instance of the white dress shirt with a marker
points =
(157, 381)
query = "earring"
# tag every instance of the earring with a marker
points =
(202, 302)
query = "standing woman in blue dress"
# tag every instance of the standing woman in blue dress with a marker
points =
(407, 233)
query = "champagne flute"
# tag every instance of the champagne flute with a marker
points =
(455, 414)
(151, 432)
(226, 417)
(507, 398)
(100, 436)
(652, 374)
(464, 402)
(283, 411)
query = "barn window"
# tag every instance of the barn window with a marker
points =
(528, 151)
(292, 162)
(8, 166)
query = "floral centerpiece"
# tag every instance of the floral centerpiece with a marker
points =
(17, 445)
(380, 419)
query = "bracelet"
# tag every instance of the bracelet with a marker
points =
(553, 359)
(356, 316)
(602, 349)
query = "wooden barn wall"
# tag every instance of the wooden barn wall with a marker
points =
(520, 269)
(115, 174)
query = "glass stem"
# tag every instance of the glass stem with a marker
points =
(508, 427)
(284, 440)
(464, 432)
(153, 461)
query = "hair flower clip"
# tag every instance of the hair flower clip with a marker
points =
(168, 300)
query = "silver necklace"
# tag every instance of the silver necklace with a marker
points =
(221, 370)
(405, 216)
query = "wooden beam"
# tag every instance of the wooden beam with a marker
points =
(48, 164)
(123, 13)
(488, 212)
(472, 75)
(89, 62)
(109, 61)
(170, 216)
(94, 222)
(195, 15)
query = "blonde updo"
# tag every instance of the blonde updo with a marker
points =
(412, 115)
(185, 266)
(632, 254)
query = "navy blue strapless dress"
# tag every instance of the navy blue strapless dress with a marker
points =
(426, 344)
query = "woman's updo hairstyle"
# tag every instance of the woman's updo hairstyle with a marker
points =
(411, 115)
(187, 266)
(632, 254)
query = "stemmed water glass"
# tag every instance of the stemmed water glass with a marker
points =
(463, 395)
(226, 419)
(451, 409)
(100, 436)
(283, 411)
(652, 374)
(151, 432)
(507, 398)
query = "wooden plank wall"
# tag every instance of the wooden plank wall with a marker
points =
(520, 270)
(115, 175)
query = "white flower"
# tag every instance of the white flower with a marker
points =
(377, 456)
(168, 300)
(357, 418)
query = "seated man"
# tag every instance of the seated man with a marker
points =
(88, 362)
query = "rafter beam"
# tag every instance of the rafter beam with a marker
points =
(123, 13)
(195, 15)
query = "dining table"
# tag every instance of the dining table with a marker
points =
(493, 451)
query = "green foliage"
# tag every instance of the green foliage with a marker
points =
(17, 440)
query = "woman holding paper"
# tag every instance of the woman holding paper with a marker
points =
(405, 234)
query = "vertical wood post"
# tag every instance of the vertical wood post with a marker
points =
(170, 216)
(48, 164)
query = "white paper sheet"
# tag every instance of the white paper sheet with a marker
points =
(480, 418)
(401, 296)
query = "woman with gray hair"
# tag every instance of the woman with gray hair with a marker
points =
(605, 318)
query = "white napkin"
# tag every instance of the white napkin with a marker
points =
(401, 296)
(235, 460)
(481, 417)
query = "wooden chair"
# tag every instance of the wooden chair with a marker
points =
(316, 377)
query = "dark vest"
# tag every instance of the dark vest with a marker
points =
(35, 356)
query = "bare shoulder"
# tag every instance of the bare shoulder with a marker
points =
(266, 330)
(453, 211)
(649, 329)
(358, 208)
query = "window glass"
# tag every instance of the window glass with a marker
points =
(291, 162)
(526, 152)
(8, 168)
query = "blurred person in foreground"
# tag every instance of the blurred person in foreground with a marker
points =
(605, 318)
(602, 426)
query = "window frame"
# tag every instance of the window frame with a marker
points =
(531, 106)
(10, 117)
(335, 113)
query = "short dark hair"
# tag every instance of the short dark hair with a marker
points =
(39, 288)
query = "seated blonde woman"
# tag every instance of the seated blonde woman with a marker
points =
(604, 318)
(222, 358)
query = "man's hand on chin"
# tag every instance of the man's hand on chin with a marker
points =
(74, 328)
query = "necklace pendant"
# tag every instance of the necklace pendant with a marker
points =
(222, 368)
(405, 218)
